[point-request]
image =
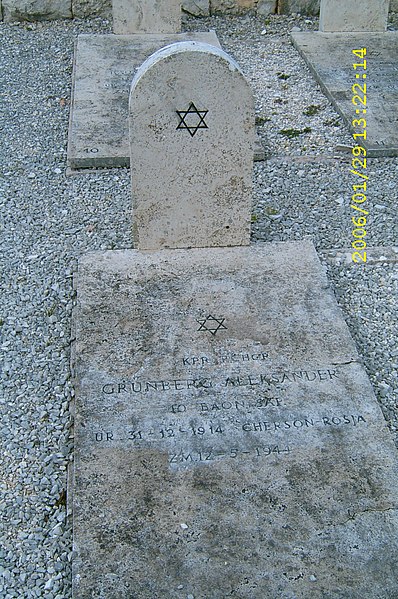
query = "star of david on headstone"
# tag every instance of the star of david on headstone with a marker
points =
(211, 324)
(192, 119)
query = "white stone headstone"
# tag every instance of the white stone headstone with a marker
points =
(146, 16)
(191, 118)
(353, 15)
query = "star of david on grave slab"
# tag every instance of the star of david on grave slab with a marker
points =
(211, 324)
(192, 119)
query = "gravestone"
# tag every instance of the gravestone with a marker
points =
(146, 16)
(330, 58)
(104, 66)
(227, 439)
(353, 15)
(191, 149)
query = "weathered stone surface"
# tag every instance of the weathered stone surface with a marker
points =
(197, 8)
(191, 116)
(83, 9)
(330, 58)
(312, 7)
(227, 440)
(103, 70)
(231, 6)
(305, 7)
(266, 7)
(146, 16)
(36, 10)
(103, 8)
(353, 15)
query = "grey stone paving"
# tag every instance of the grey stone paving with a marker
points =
(330, 58)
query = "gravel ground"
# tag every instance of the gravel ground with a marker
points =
(49, 219)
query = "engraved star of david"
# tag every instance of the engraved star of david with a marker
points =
(211, 324)
(192, 119)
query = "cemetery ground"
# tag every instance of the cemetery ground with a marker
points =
(49, 219)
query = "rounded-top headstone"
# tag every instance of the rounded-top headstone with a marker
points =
(191, 118)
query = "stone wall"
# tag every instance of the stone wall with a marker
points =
(307, 7)
(41, 10)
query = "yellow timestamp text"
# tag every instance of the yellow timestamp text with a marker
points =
(359, 218)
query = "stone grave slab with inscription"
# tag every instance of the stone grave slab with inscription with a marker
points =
(330, 58)
(104, 66)
(228, 441)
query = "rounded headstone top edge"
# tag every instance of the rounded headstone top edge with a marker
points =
(179, 48)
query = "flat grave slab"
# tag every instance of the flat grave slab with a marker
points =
(351, 15)
(228, 441)
(104, 66)
(330, 58)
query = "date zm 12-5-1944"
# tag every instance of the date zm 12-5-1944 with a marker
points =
(358, 198)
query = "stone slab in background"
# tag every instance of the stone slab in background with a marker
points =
(353, 15)
(146, 16)
(227, 439)
(36, 10)
(312, 7)
(197, 8)
(82, 9)
(103, 8)
(103, 70)
(330, 58)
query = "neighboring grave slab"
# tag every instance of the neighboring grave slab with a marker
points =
(191, 117)
(330, 58)
(227, 439)
(353, 15)
(146, 16)
(103, 70)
